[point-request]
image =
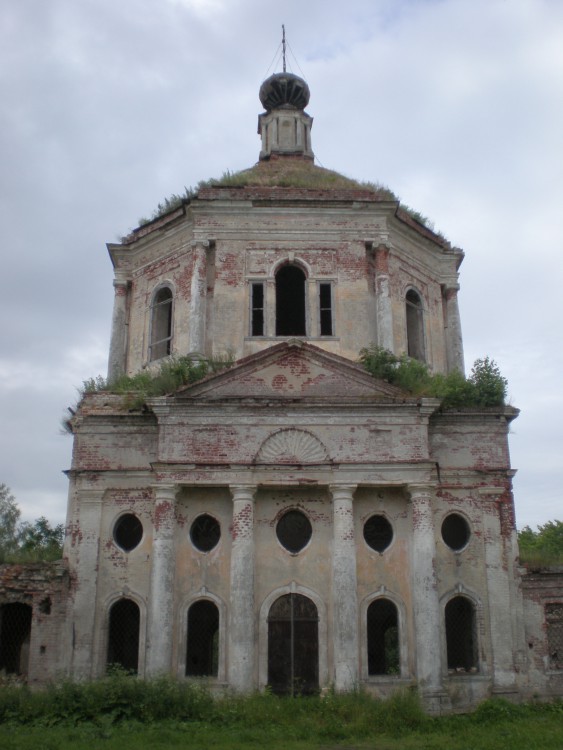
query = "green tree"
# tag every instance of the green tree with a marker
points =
(41, 540)
(542, 546)
(9, 518)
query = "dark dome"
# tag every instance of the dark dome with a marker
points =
(284, 89)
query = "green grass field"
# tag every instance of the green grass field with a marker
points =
(122, 712)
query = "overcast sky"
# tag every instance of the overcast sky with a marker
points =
(108, 106)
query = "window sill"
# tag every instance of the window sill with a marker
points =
(289, 338)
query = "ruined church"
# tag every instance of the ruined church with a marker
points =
(289, 521)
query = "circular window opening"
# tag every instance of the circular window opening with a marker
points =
(205, 533)
(128, 532)
(378, 533)
(455, 531)
(294, 531)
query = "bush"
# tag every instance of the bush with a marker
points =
(485, 386)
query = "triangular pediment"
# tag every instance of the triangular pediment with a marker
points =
(292, 370)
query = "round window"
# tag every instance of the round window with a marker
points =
(205, 533)
(128, 532)
(294, 531)
(455, 531)
(378, 533)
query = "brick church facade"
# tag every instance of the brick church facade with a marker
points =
(290, 520)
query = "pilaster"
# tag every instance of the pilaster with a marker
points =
(384, 311)
(454, 341)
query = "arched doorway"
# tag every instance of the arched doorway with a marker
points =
(293, 646)
(123, 636)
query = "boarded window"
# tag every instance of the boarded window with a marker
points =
(415, 326)
(554, 624)
(290, 302)
(293, 646)
(123, 636)
(202, 659)
(161, 324)
(461, 636)
(257, 310)
(15, 634)
(382, 637)
(325, 310)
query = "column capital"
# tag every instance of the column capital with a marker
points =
(421, 490)
(200, 243)
(120, 280)
(450, 290)
(166, 492)
(242, 492)
(342, 491)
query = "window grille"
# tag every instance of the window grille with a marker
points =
(123, 636)
(554, 624)
(383, 638)
(293, 646)
(461, 637)
(15, 634)
(202, 659)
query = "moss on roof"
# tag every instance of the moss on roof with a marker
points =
(290, 172)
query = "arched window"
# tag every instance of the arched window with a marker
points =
(290, 302)
(202, 658)
(123, 635)
(383, 637)
(415, 326)
(161, 324)
(15, 634)
(461, 635)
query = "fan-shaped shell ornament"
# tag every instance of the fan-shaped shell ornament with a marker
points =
(292, 447)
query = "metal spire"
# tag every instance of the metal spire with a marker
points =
(283, 46)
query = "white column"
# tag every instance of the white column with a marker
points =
(426, 605)
(344, 590)
(454, 341)
(383, 307)
(160, 616)
(86, 584)
(198, 298)
(242, 642)
(118, 341)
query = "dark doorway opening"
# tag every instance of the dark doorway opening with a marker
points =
(290, 302)
(460, 635)
(123, 640)
(293, 646)
(203, 640)
(383, 638)
(15, 634)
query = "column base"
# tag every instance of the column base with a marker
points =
(436, 702)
